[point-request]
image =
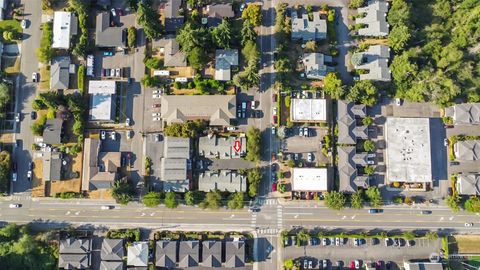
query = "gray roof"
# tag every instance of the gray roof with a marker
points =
(173, 57)
(72, 245)
(347, 128)
(375, 60)
(188, 254)
(176, 147)
(217, 12)
(375, 17)
(177, 185)
(234, 254)
(52, 166)
(92, 177)
(74, 261)
(166, 254)
(112, 249)
(315, 67)
(465, 113)
(218, 109)
(112, 265)
(174, 169)
(107, 36)
(347, 169)
(52, 134)
(224, 60)
(303, 28)
(467, 150)
(212, 254)
(422, 266)
(224, 180)
(173, 19)
(468, 184)
(137, 254)
(220, 147)
(59, 76)
(174, 164)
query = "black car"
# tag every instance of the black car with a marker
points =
(14, 167)
(33, 115)
(30, 165)
(375, 211)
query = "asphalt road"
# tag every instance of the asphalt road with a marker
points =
(26, 92)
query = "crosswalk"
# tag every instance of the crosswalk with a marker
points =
(20, 197)
(264, 201)
(279, 216)
(268, 231)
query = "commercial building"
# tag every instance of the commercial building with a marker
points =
(422, 266)
(468, 184)
(308, 110)
(213, 146)
(304, 29)
(464, 114)
(59, 73)
(348, 161)
(375, 19)
(224, 60)
(172, 56)
(107, 36)
(102, 105)
(408, 153)
(137, 254)
(224, 180)
(64, 27)
(219, 110)
(467, 150)
(99, 168)
(375, 60)
(173, 19)
(310, 179)
(52, 133)
(348, 115)
(175, 164)
(315, 67)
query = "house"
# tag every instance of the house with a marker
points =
(305, 29)
(467, 150)
(107, 36)
(166, 254)
(173, 18)
(375, 19)
(408, 150)
(464, 114)
(102, 107)
(52, 133)
(112, 249)
(112, 265)
(211, 254)
(310, 179)
(375, 60)
(174, 164)
(422, 266)
(217, 12)
(188, 254)
(59, 73)
(137, 254)
(223, 180)
(172, 56)
(308, 110)
(234, 254)
(213, 146)
(65, 25)
(468, 184)
(347, 116)
(219, 110)
(224, 60)
(99, 168)
(348, 160)
(315, 67)
(52, 166)
(74, 253)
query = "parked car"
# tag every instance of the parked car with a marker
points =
(129, 134)
(324, 242)
(107, 53)
(31, 165)
(370, 162)
(453, 163)
(274, 110)
(398, 101)
(309, 157)
(295, 156)
(118, 72)
(357, 264)
(253, 105)
(113, 135)
(306, 132)
(352, 265)
(274, 98)
(231, 128)
(29, 175)
(114, 12)
(112, 72)
(127, 122)
(17, 117)
(274, 131)
(325, 264)
(35, 77)
(468, 224)
(445, 142)
(158, 105)
(156, 119)
(387, 242)
(103, 135)
(33, 115)
(274, 120)
(157, 137)
(356, 242)
(337, 241)
(274, 186)
(371, 155)
(155, 114)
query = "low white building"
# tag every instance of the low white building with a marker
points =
(64, 27)
(310, 179)
(308, 110)
(102, 106)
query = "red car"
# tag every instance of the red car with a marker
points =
(274, 98)
(352, 265)
(274, 186)
(156, 106)
(274, 120)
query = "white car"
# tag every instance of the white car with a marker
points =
(23, 24)
(114, 12)
(310, 157)
(156, 91)
(17, 117)
(156, 119)
(127, 122)
(113, 135)
(129, 134)
(398, 101)
(118, 73)
(15, 205)
(156, 96)
(468, 224)
(371, 155)
(29, 174)
(274, 130)
(34, 77)
(231, 128)
(106, 207)
(155, 114)
(370, 162)
(103, 135)
(254, 105)
(274, 110)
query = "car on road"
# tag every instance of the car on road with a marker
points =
(23, 24)
(274, 119)
(17, 117)
(33, 115)
(113, 135)
(449, 126)
(425, 212)
(157, 137)
(156, 119)
(468, 224)
(254, 209)
(127, 122)
(14, 176)
(129, 134)
(274, 131)
(108, 53)
(374, 211)
(29, 175)
(445, 142)
(158, 105)
(31, 165)
(14, 205)
(309, 157)
(103, 135)
(34, 77)
(14, 166)
(156, 114)
(106, 207)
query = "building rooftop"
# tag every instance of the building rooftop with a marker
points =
(347, 113)
(102, 87)
(111, 265)
(52, 166)
(176, 147)
(234, 254)
(303, 28)
(173, 19)
(137, 254)
(217, 109)
(224, 60)
(308, 110)
(52, 134)
(108, 36)
(422, 266)
(375, 60)
(212, 254)
(112, 250)
(224, 180)
(64, 26)
(467, 150)
(315, 67)
(73, 245)
(189, 254)
(213, 146)
(408, 151)
(74, 261)
(59, 73)
(310, 179)
(102, 108)
(468, 184)
(166, 254)
(375, 18)
(465, 113)
(216, 12)
(348, 159)
(99, 168)
(172, 56)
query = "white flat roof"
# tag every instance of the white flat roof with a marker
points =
(102, 87)
(308, 109)
(101, 107)
(408, 150)
(62, 29)
(309, 179)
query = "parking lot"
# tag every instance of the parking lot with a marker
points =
(152, 122)
(366, 250)
(154, 150)
(303, 145)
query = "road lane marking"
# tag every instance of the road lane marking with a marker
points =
(68, 213)
(353, 217)
(451, 218)
(344, 217)
(152, 214)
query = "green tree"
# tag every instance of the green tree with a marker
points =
(408, 235)
(151, 199)
(171, 200)
(453, 202)
(291, 163)
(251, 74)
(472, 205)
(5, 95)
(193, 197)
(431, 235)
(81, 78)
(333, 86)
(369, 145)
(213, 200)
(399, 13)
(335, 200)
(253, 144)
(153, 63)
(374, 196)
(132, 36)
(254, 177)
(236, 201)
(303, 236)
(369, 170)
(253, 13)
(367, 121)
(363, 92)
(122, 192)
(399, 37)
(222, 34)
(288, 264)
(189, 37)
(197, 58)
(149, 19)
(356, 3)
(250, 52)
(38, 126)
(357, 200)
(45, 52)
(8, 35)
(248, 32)
(5, 170)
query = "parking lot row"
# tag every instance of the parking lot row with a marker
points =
(356, 242)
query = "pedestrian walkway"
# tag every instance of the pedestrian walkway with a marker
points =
(279, 216)
(267, 231)
(267, 201)
(19, 197)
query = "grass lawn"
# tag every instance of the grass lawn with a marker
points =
(10, 25)
(469, 244)
(11, 65)
(45, 78)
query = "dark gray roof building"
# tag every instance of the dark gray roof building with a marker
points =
(59, 75)
(174, 172)
(74, 261)
(217, 12)
(224, 60)
(348, 160)
(212, 254)
(464, 114)
(108, 36)
(52, 134)
(112, 265)
(347, 113)
(315, 67)
(112, 250)
(173, 19)
(213, 146)
(166, 254)
(172, 56)
(375, 60)
(304, 29)
(188, 254)
(375, 19)
(52, 166)
(224, 180)
(234, 254)
(72, 245)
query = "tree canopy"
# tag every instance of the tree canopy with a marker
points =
(253, 13)
(213, 200)
(236, 201)
(333, 86)
(151, 199)
(253, 144)
(363, 92)
(222, 34)
(171, 200)
(149, 19)
(335, 200)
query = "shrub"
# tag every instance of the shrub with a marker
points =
(132, 36)
(81, 78)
